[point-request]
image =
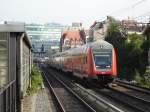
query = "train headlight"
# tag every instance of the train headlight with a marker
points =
(107, 66)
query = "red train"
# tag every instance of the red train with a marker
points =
(96, 60)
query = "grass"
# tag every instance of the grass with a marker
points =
(36, 80)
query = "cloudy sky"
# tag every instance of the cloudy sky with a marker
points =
(68, 11)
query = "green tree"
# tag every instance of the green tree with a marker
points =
(147, 34)
(146, 45)
(115, 37)
(135, 59)
(130, 50)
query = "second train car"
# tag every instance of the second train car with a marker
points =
(93, 61)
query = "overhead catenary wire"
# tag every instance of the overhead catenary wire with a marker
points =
(145, 17)
(119, 12)
(126, 9)
(138, 3)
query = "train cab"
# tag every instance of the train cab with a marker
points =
(104, 59)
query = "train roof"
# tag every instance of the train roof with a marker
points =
(100, 44)
(94, 45)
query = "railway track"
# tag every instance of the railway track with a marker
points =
(95, 104)
(136, 100)
(134, 87)
(67, 100)
(135, 103)
(141, 95)
(128, 102)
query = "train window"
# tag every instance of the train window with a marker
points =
(103, 61)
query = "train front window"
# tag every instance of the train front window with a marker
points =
(102, 61)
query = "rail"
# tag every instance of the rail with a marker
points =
(95, 99)
(74, 94)
(54, 94)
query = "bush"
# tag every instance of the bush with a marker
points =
(144, 80)
(147, 77)
(137, 78)
(36, 80)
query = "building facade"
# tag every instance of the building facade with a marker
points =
(132, 26)
(73, 36)
(44, 37)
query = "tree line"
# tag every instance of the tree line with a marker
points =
(131, 50)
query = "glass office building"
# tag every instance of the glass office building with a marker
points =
(44, 37)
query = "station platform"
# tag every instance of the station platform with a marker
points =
(39, 102)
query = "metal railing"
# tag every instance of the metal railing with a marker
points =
(8, 98)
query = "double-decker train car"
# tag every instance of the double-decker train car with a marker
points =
(93, 61)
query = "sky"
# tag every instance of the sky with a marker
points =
(68, 11)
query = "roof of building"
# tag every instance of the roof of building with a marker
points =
(15, 27)
(72, 34)
(12, 27)
(129, 22)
